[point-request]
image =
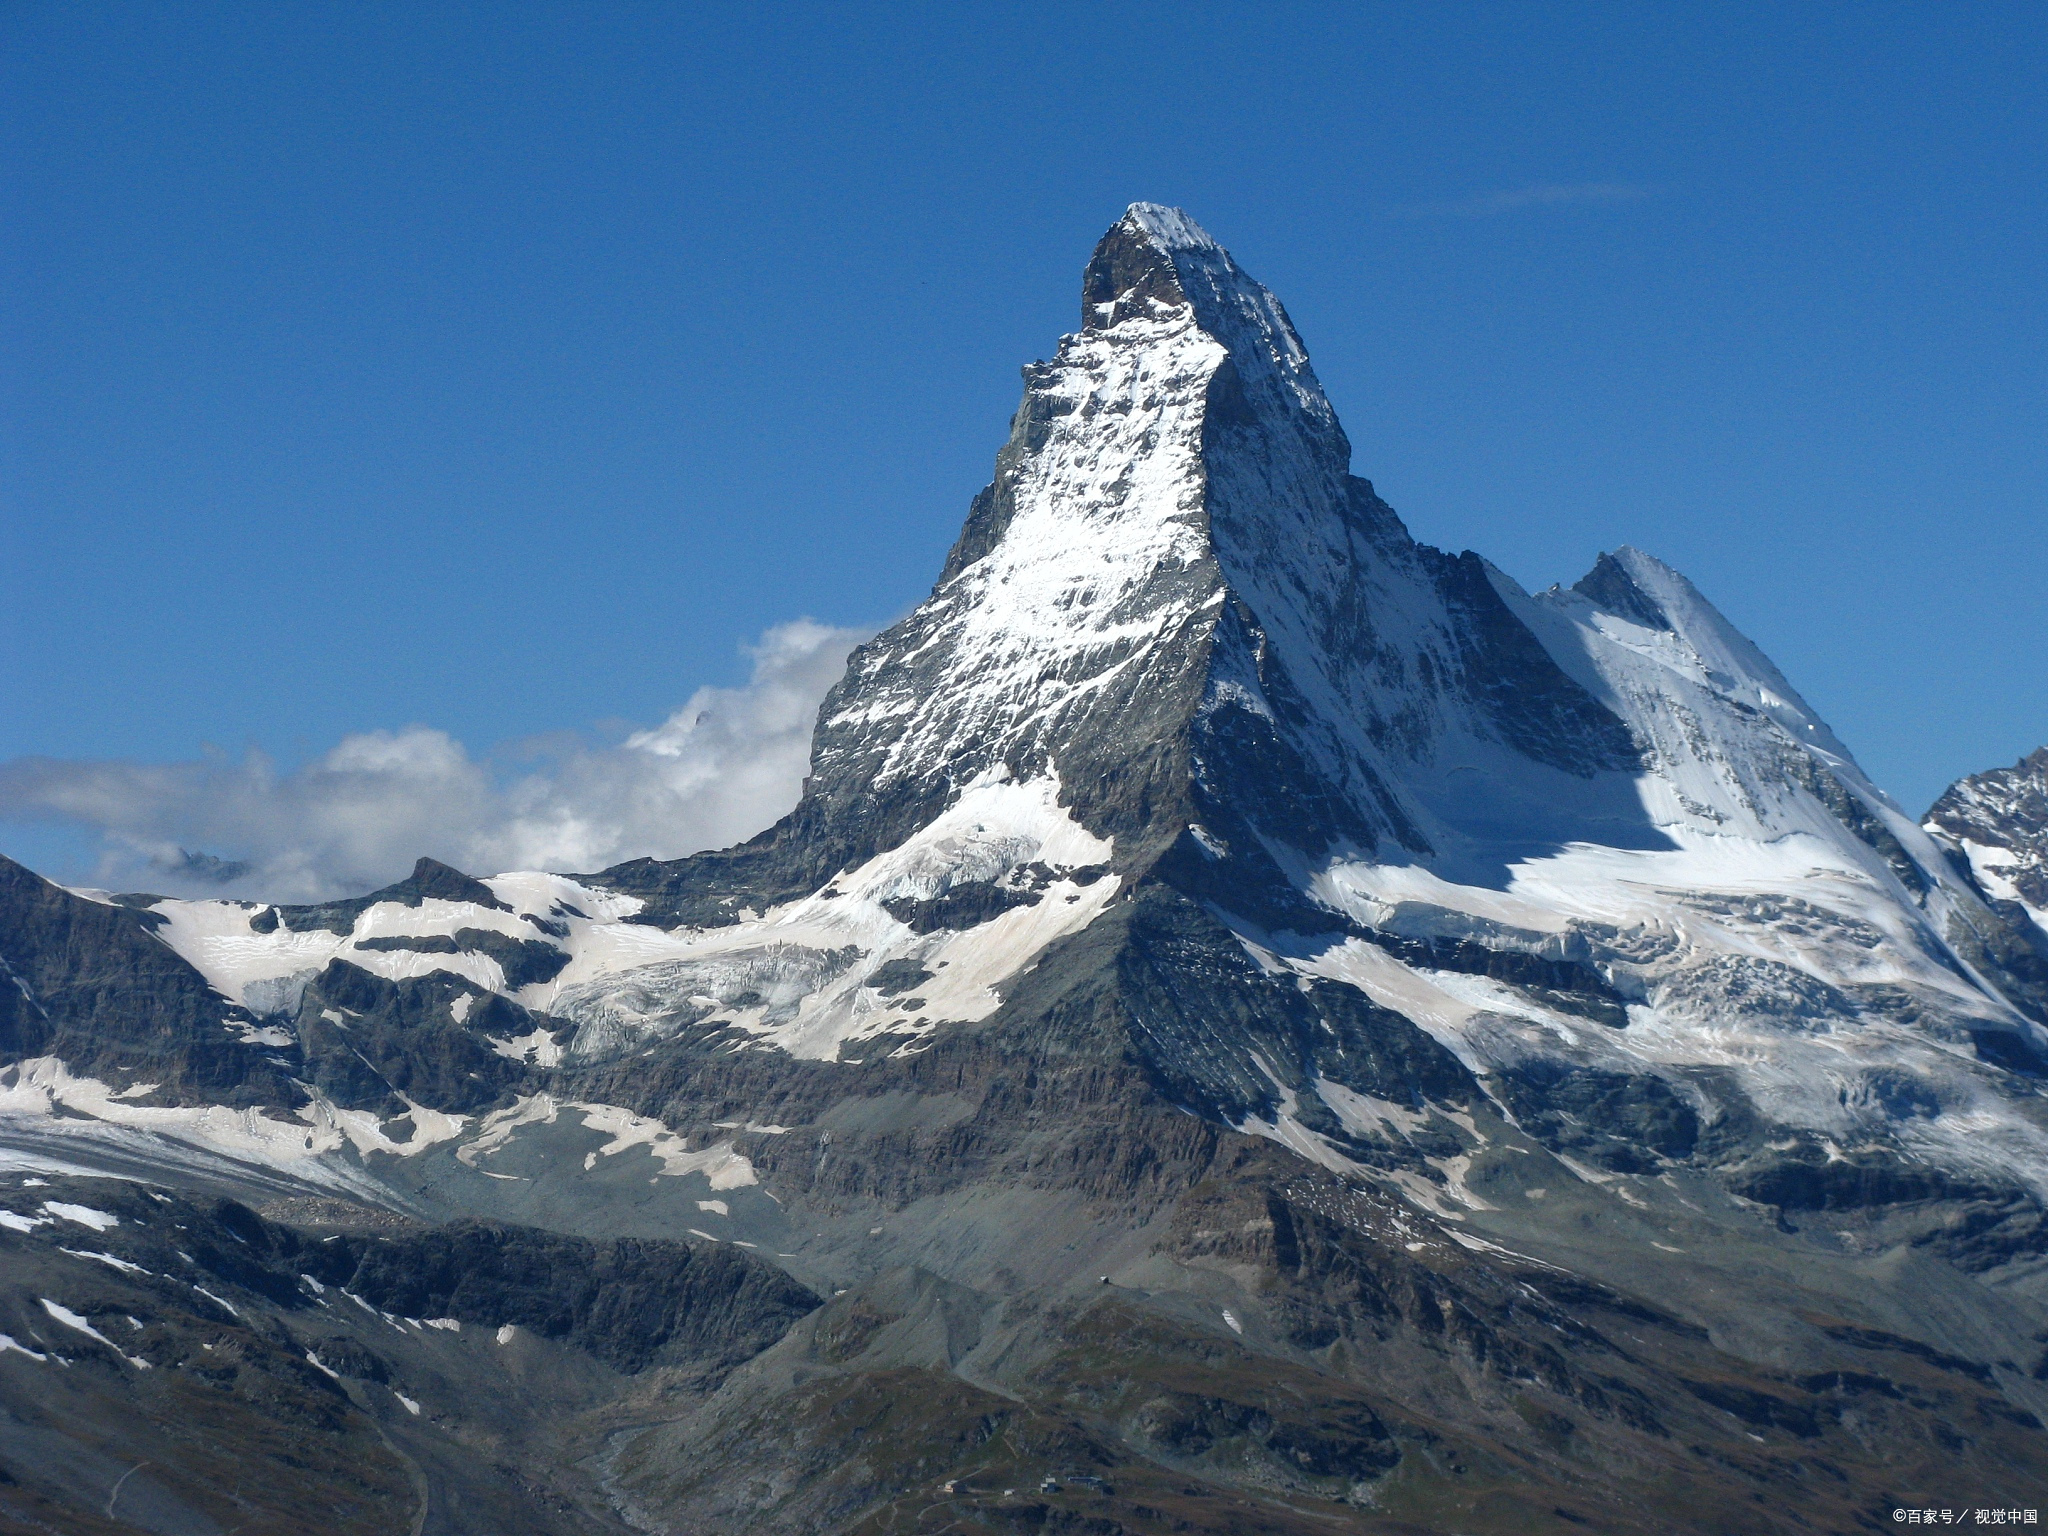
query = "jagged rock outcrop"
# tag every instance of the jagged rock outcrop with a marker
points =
(1999, 820)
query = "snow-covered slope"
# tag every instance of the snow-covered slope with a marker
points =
(1785, 938)
(805, 976)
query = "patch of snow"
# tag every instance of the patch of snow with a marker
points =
(106, 1258)
(720, 1164)
(32, 1091)
(214, 937)
(217, 1301)
(71, 1319)
(267, 972)
(252, 1034)
(1481, 1245)
(537, 1047)
(84, 1215)
(808, 961)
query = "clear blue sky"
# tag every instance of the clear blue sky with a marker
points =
(503, 367)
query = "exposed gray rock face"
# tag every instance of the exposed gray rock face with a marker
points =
(341, 1375)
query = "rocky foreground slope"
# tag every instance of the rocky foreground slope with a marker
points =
(1256, 1024)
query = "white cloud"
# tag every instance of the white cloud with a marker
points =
(718, 770)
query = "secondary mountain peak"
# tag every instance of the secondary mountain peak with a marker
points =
(1641, 589)
(1997, 822)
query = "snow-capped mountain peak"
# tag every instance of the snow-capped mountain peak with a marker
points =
(1640, 587)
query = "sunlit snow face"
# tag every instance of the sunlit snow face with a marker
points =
(804, 977)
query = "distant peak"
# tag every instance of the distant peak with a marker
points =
(431, 879)
(1612, 585)
(1642, 589)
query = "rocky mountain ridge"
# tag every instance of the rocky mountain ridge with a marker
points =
(1997, 823)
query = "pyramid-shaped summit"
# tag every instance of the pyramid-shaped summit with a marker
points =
(1176, 603)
